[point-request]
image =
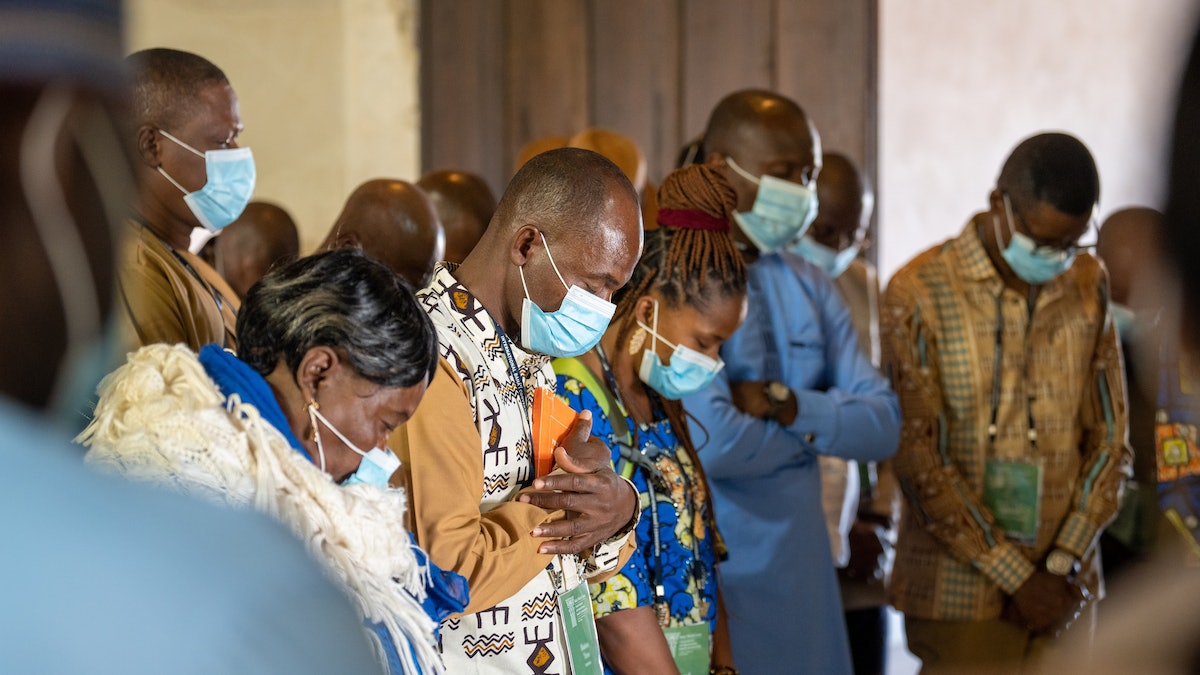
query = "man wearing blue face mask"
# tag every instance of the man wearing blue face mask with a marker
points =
(565, 236)
(191, 173)
(795, 387)
(1001, 345)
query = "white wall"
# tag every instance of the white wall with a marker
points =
(963, 81)
(328, 89)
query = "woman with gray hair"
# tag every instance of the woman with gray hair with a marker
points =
(334, 353)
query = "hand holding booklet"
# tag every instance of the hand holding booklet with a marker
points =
(552, 418)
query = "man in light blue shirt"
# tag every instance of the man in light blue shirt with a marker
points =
(795, 386)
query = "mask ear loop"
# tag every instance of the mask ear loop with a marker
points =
(55, 226)
(551, 257)
(312, 416)
(742, 172)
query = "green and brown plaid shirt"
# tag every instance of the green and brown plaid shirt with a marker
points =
(1060, 367)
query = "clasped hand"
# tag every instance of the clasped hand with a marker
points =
(598, 503)
(1048, 603)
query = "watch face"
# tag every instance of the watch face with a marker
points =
(777, 391)
(1059, 563)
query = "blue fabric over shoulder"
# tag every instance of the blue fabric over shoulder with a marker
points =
(233, 376)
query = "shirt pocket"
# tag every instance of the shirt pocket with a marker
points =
(805, 363)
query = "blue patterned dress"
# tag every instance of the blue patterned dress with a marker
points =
(689, 543)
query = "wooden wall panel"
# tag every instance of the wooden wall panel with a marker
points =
(635, 61)
(462, 87)
(826, 63)
(546, 71)
(726, 46)
(498, 73)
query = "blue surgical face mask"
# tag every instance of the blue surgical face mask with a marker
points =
(376, 466)
(782, 211)
(573, 329)
(830, 261)
(1033, 263)
(227, 190)
(689, 370)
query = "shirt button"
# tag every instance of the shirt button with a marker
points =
(810, 438)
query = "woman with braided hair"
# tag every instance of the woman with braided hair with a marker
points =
(687, 295)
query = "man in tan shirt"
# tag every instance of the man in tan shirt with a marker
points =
(1006, 360)
(186, 126)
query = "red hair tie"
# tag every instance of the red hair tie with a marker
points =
(692, 219)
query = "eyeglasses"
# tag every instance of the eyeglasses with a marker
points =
(1047, 248)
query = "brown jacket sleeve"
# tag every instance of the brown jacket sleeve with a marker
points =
(443, 472)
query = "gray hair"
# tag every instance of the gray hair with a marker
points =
(345, 300)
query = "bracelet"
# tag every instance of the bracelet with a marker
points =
(722, 670)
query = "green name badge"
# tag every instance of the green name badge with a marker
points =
(579, 630)
(1012, 491)
(690, 648)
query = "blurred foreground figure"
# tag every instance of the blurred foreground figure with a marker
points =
(101, 576)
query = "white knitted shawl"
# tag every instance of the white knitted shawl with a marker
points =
(162, 420)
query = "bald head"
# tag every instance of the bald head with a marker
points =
(394, 222)
(765, 134)
(464, 205)
(845, 202)
(1128, 241)
(263, 236)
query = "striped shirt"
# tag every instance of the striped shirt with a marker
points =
(1061, 383)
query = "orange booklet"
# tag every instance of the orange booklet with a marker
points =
(551, 419)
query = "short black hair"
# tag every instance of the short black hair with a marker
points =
(342, 299)
(166, 83)
(1053, 168)
(563, 188)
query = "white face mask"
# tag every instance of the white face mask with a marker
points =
(377, 465)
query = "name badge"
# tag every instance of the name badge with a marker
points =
(690, 647)
(579, 631)
(1012, 491)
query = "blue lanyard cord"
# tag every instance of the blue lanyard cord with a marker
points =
(517, 378)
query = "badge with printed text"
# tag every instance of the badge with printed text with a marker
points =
(1012, 491)
(690, 647)
(579, 630)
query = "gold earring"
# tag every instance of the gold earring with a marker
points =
(636, 342)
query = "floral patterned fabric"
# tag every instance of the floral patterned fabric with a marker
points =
(689, 543)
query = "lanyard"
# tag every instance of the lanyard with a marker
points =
(212, 290)
(992, 425)
(641, 460)
(517, 378)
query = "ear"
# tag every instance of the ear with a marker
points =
(996, 200)
(643, 309)
(715, 160)
(318, 364)
(523, 241)
(149, 148)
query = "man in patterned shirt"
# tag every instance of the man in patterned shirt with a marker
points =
(1009, 373)
(568, 220)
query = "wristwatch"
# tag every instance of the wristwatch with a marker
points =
(777, 394)
(1060, 562)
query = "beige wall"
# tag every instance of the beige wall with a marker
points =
(328, 89)
(961, 82)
